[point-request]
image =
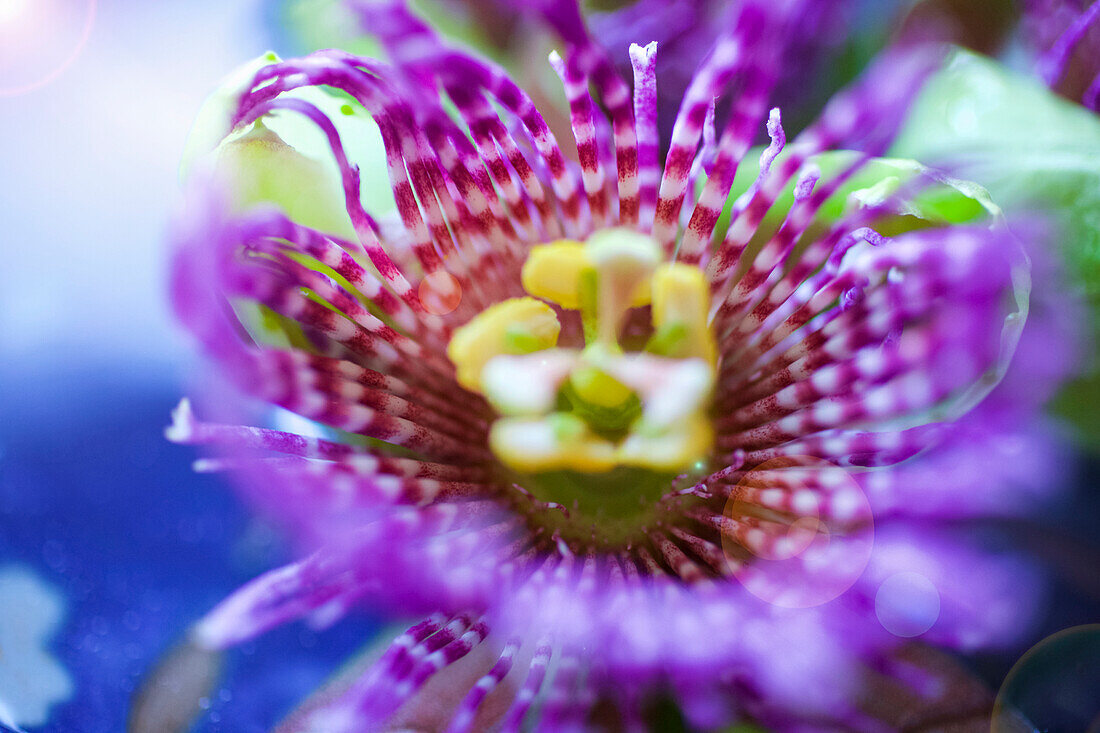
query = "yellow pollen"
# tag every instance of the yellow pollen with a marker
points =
(591, 410)
(672, 449)
(553, 443)
(553, 272)
(515, 326)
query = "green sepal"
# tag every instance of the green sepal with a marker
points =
(285, 158)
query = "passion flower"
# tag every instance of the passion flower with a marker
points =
(593, 415)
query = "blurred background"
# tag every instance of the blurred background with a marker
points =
(109, 545)
(102, 522)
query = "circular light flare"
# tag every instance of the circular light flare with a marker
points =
(439, 293)
(907, 604)
(40, 39)
(1053, 686)
(809, 559)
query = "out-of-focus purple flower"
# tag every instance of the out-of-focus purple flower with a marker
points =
(640, 481)
(1067, 35)
(1004, 457)
(981, 25)
(685, 30)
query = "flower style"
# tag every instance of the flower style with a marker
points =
(593, 417)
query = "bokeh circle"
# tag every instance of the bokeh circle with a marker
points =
(907, 604)
(439, 293)
(798, 531)
(1055, 686)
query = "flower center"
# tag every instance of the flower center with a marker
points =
(612, 422)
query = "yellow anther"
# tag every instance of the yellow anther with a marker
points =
(599, 388)
(593, 410)
(516, 326)
(681, 300)
(564, 442)
(672, 449)
(553, 272)
(560, 441)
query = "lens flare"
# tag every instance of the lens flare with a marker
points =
(12, 11)
(804, 551)
(440, 293)
(1053, 686)
(40, 39)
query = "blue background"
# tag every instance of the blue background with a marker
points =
(93, 499)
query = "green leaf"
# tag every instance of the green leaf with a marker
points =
(1028, 147)
(285, 159)
(950, 201)
(310, 25)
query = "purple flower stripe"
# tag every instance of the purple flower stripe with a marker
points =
(582, 121)
(464, 717)
(736, 56)
(466, 80)
(868, 112)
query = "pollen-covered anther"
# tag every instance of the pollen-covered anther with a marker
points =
(559, 441)
(515, 326)
(594, 409)
(681, 298)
